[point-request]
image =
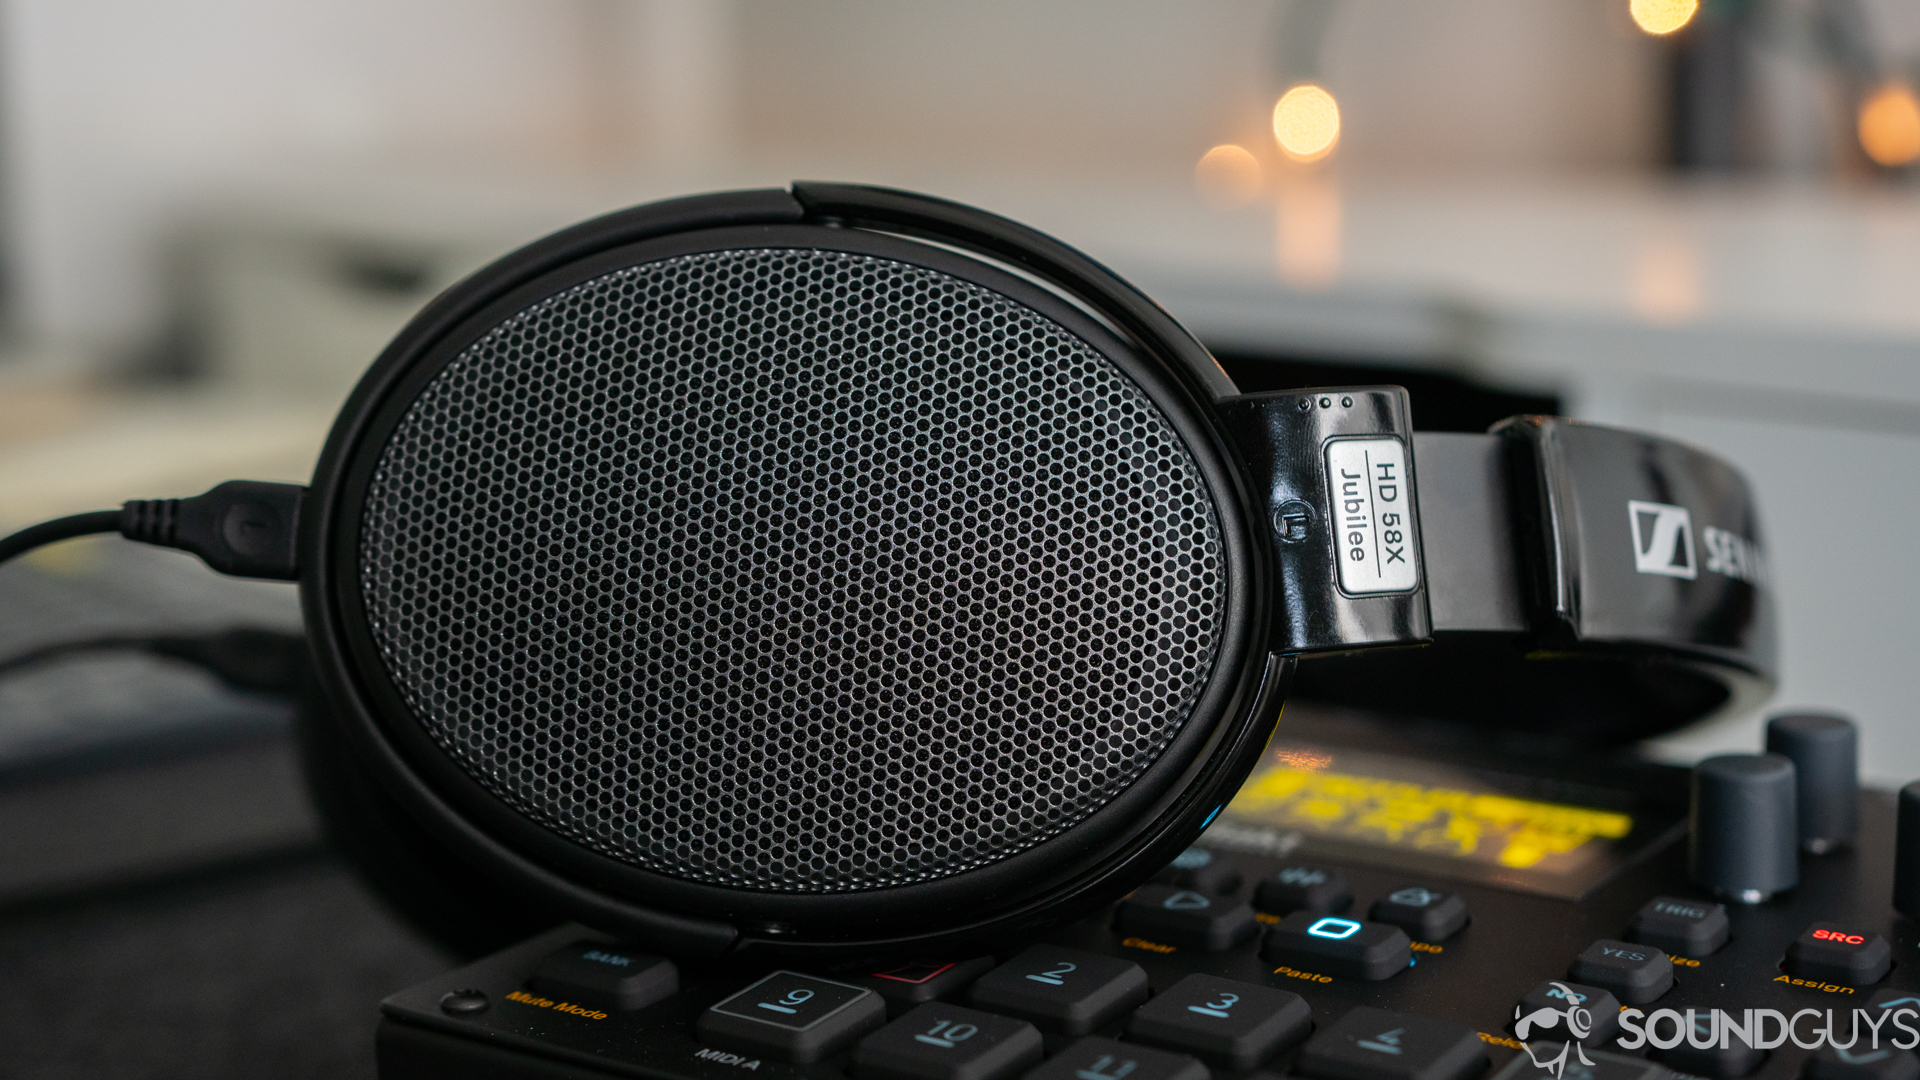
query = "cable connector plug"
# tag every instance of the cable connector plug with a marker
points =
(246, 528)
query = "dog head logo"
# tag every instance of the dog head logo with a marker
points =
(1578, 1021)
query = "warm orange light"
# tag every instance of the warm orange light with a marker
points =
(1890, 125)
(1667, 279)
(1228, 175)
(1662, 17)
(1306, 121)
(1308, 229)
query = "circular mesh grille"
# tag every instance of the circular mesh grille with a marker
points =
(793, 570)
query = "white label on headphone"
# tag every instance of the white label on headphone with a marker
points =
(1372, 510)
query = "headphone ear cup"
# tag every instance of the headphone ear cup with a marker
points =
(440, 895)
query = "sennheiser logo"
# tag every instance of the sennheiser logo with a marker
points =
(1662, 539)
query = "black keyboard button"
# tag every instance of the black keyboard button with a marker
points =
(1228, 1024)
(1885, 1003)
(1425, 914)
(1834, 953)
(1318, 890)
(1862, 1062)
(1559, 1010)
(1198, 868)
(1327, 945)
(606, 976)
(921, 981)
(1598, 1065)
(1691, 928)
(1106, 1059)
(1636, 974)
(1375, 1044)
(1062, 990)
(793, 1017)
(1736, 1059)
(1186, 917)
(938, 1041)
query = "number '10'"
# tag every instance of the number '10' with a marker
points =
(952, 1032)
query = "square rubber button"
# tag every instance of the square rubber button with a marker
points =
(606, 976)
(938, 1041)
(1198, 868)
(792, 1016)
(1375, 1044)
(920, 981)
(1678, 927)
(1186, 917)
(1425, 914)
(1106, 1059)
(1723, 1062)
(1840, 954)
(1062, 990)
(1636, 974)
(1862, 1062)
(1227, 1024)
(1330, 945)
(1880, 1009)
(1319, 890)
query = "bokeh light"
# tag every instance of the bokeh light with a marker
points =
(1306, 121)
(1890, 125)
(1662, 17)
(1228, 175)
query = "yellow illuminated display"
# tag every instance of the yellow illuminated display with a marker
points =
(1512, 832)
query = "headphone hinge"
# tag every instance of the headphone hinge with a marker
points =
(1332, 474)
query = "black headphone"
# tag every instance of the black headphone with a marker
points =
(840, 569)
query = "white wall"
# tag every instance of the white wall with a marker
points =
(122, 115)
(121, 118)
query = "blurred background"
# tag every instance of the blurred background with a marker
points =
(1697, 218)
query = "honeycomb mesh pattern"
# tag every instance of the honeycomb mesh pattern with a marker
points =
(793, 570)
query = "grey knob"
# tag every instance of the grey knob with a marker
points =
(1825, 751)
(1743, 839)
(1906, 854)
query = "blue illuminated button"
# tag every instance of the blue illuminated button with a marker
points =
(1186, 917)
(1107, 1059)
(1321, 890)
(1425, 914)
(792, 1016)
(1331, 945)
(1227, 1024)
(1375, 1044)
(937, 1041)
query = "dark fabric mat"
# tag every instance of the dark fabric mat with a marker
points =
(273, 969)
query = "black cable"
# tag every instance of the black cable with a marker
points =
(242, 527)
(62, 649)
(243, 658)
(66, 528)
